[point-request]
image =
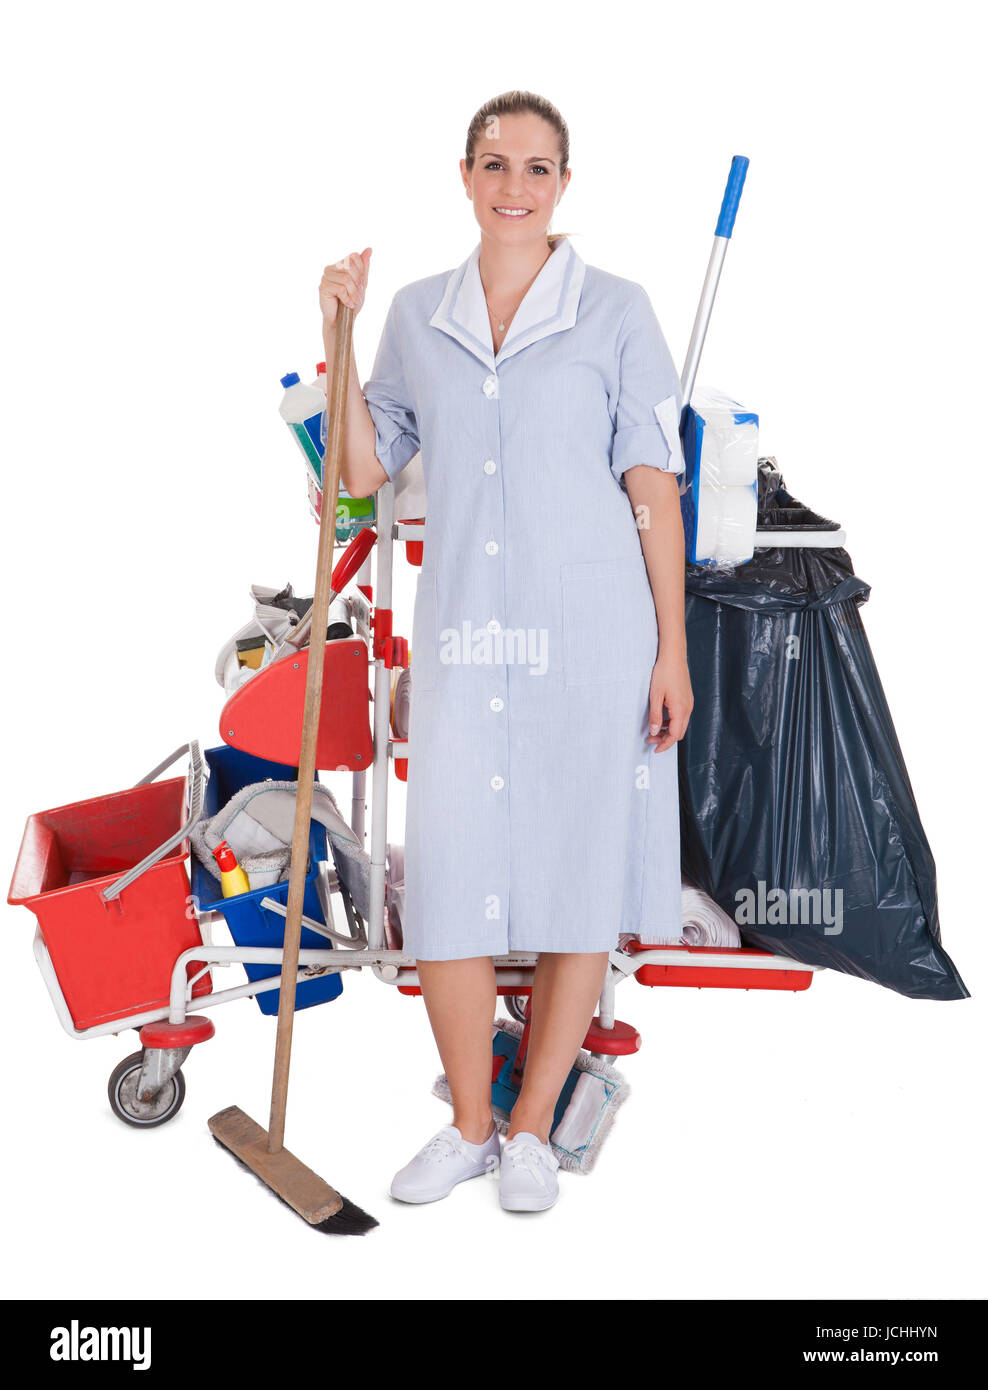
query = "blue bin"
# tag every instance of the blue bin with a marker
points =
(251, 924)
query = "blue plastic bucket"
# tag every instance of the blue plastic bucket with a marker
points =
(250, 924)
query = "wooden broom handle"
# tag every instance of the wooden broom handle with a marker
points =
(332, 463)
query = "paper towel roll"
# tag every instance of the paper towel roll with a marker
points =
(400, 703)
(706, 924)
(733, 459)
(723, 479)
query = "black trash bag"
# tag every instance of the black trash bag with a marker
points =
(797, 813)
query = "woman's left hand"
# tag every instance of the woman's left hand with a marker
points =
(670, 701)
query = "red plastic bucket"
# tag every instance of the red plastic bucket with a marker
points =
(112, 959)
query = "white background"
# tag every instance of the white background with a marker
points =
(181, 175)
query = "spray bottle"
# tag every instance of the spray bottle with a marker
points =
(233, 878)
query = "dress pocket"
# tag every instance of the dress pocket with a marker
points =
(608, 621)
(425, 633)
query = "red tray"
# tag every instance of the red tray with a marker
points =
(693, 974)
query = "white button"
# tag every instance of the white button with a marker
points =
(497, 704)
(490, 387)
(494, 626)
(492, 547)
(490, 466)
(497, 783)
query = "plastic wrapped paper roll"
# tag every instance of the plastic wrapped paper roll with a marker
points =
(720, 500)
(705, 923)
(727, 518)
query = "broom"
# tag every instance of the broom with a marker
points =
(262, 1151)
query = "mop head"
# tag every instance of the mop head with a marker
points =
(586, 1108)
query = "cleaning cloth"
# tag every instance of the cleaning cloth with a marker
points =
(258, 824)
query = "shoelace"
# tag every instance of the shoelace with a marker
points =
(533, 1159)
(443, 1146)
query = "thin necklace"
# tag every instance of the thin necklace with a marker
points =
(500, 326)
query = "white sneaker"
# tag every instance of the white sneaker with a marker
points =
(446, 1160)
(528, 1174)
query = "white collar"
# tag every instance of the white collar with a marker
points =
(550, 305)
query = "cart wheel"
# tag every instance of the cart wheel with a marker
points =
(516, 1005)
(122, 1091)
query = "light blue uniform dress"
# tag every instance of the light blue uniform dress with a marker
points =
(538, 818)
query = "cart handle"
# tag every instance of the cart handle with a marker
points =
(196, 788)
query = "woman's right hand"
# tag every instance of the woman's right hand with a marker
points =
(346, 283)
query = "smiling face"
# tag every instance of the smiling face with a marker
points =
(515, 182)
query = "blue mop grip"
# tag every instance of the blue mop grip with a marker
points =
(732, 196)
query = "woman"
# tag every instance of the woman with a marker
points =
(549, 675)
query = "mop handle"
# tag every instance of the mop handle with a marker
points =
(725, 226)
(332, 466)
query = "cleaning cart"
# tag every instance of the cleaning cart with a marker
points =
(124, 935)
(126, 913)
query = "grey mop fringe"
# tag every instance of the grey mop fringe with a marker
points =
(567, 1161)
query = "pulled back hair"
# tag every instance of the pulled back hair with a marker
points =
(519, 103)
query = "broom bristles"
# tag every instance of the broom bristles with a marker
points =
(350, 1220)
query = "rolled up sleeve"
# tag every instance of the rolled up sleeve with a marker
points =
(649, 403)
(389, 401)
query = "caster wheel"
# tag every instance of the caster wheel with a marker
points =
(124, 1101)
(516, 1005)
